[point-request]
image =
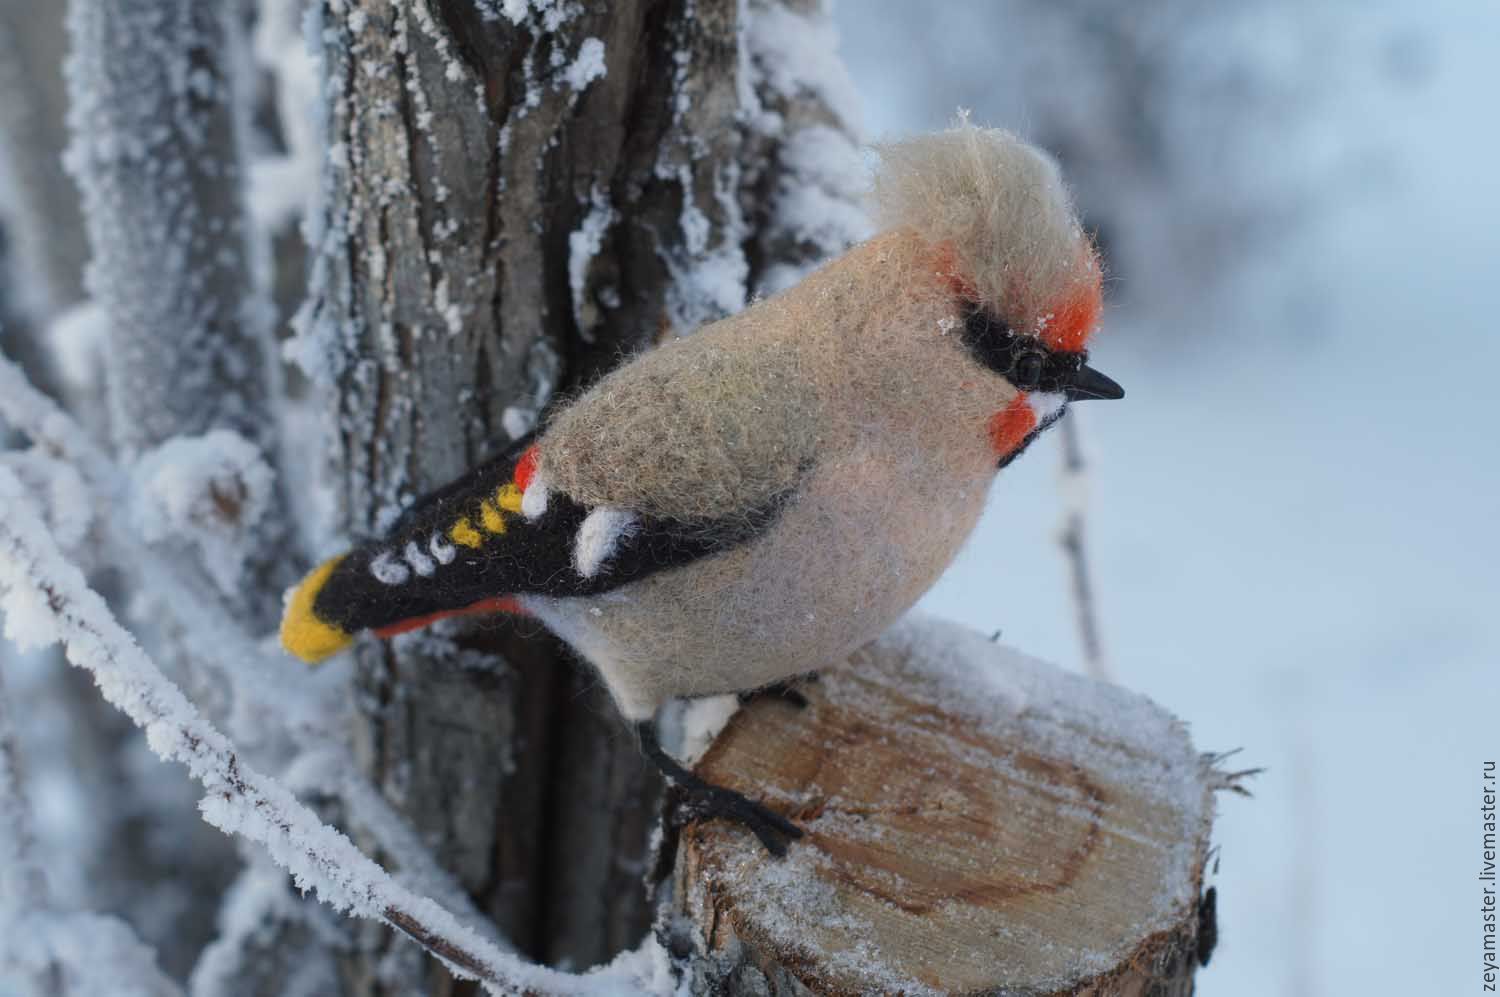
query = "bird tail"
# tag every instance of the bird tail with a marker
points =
(442, 558)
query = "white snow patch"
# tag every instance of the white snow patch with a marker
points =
(584, 244)
(588, 66)
(712, 286)
(798, 53)
(517, 421)
(209, 491)
(29, 623)
(79, 337)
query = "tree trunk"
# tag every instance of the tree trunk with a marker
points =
(977, 822)
(512, 204)
(49, 239)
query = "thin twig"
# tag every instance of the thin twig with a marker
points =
(239, 799)
(216, 640)
(1074, 489)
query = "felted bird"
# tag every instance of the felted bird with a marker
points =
(760, 498)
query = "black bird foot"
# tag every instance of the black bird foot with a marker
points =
(786, 690)
(707, 802)
(703, 800)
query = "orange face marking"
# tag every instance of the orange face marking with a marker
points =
(1011, 424)
(526, 467)
(497, 604)
(945, 265)
(1076, 316)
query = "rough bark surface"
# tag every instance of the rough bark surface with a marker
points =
(976, 822)
(501, 225)
(49, 239)
(155, 116)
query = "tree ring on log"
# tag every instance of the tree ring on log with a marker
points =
(977, 822)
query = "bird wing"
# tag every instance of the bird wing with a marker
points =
(493, 534)
(708, 427)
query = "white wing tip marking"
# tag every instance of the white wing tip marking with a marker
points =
(534, 499)
(441, 549)
(387, 570)
(599, 537)
(420, 562)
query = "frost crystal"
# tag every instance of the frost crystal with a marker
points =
(588, 66)
(209, 490)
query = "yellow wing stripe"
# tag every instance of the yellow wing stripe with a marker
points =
(463, 532)
(491, 518)
(509, 498)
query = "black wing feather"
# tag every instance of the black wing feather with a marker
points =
(530, 557)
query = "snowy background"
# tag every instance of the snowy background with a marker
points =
(1293, 510)
(1290, 514)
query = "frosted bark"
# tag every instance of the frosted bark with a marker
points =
(44, 248)
(156, 102)
(155, 154)
(516, 195)
(48, 237)
(45, 598)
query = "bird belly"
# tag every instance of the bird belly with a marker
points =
(856, 547)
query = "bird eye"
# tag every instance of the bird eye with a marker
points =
(1026, 373)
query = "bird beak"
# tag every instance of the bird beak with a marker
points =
(1089, 383)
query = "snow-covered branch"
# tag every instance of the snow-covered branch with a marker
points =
(261, 703)
(44, 594)
(1074, 487)
(214, 640)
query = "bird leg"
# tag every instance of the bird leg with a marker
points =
(704, 799)
(786, 690)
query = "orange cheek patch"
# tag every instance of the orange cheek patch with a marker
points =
(1010, 425)
(499, 604)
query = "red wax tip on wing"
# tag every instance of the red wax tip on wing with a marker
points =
(498, 604)
(526, 467)
(1011, 424)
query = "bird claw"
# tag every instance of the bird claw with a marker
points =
(786, 691)
(715, 802)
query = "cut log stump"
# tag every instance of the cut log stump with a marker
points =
(976, 822)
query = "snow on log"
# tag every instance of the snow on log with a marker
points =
(976, 821)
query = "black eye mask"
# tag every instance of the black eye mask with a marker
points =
(1030, 364)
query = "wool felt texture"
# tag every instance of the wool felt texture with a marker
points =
(1000, 207)
(467, 548)
(761, 498)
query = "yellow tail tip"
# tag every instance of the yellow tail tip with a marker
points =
(302, 633)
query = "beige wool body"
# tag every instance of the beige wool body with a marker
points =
(863, 405)
(854, 391)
